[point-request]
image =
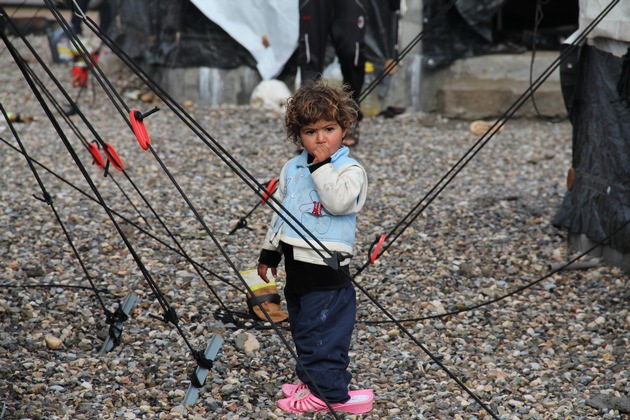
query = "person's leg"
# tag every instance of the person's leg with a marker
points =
(323, 331)
(293, 309)
(315, 21)
(348, 35)
(105, 15)
(75, 21)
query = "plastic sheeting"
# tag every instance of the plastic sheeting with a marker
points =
(268, 29)
(224, 35)
(598, 202)
(175, 34)
(381, 37)
(616, 24)
(465, 30)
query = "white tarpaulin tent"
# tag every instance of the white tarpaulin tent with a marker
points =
(268, 29)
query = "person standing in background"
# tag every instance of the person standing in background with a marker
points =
(344, 22)
(104, 12)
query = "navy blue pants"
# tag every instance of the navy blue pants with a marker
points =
(321, 324)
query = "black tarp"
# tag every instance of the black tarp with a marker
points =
(381, 36)
(598, 202)
(475, 27)
(465, 30)
(176, 34)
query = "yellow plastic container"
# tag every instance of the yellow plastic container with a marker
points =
(370, 105)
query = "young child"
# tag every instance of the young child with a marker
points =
(324, 189)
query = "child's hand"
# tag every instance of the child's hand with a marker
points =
(321, 153)
(262, 271)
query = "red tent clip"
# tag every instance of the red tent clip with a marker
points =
(377, 249)
(96, 155)
(113, 157)
(80, 71)
(138, 127)
(269, 190)
(79, 76)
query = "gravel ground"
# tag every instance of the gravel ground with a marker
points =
(550, 351)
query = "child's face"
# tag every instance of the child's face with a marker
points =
(322, 139)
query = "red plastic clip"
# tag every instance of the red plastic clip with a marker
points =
(96, 155)
(113, 157)
(137, 125)
(80, 71)
(269, 190)
(79, 76)
(377, 248)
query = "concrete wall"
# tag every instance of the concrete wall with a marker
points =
(489, 85)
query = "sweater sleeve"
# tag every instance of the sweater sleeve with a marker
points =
(341, 191)
(270, 258)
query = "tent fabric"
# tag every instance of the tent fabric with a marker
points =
(381, 33)
(226, 35)
(598, 202)
(174, 34)
(465, 30)
(268, 29)
(615, 25)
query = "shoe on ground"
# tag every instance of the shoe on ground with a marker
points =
(303, 401)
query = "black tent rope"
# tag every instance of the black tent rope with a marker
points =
(86, 56)
(29, 76)
(286, 343)
(392, 65)
(122, 217)
(74, 128)
(95, 69)
(219, 151)
(455, 170)
(17, 8)
(227, 316)
(169, 314)
(518, 289)
(491, 130)
(51, 286)
(98, 139)
(447, 178)
(149, 82)
(490, 136)
(483, 141)
(47, 198)
(182, 251)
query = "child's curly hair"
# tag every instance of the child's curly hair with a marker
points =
(319, 100)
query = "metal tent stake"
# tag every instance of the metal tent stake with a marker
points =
(201, 372)
(115, 330)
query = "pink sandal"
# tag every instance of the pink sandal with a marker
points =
(289, 390)
(303, 401)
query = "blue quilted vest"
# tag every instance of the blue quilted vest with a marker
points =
(301, 200)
